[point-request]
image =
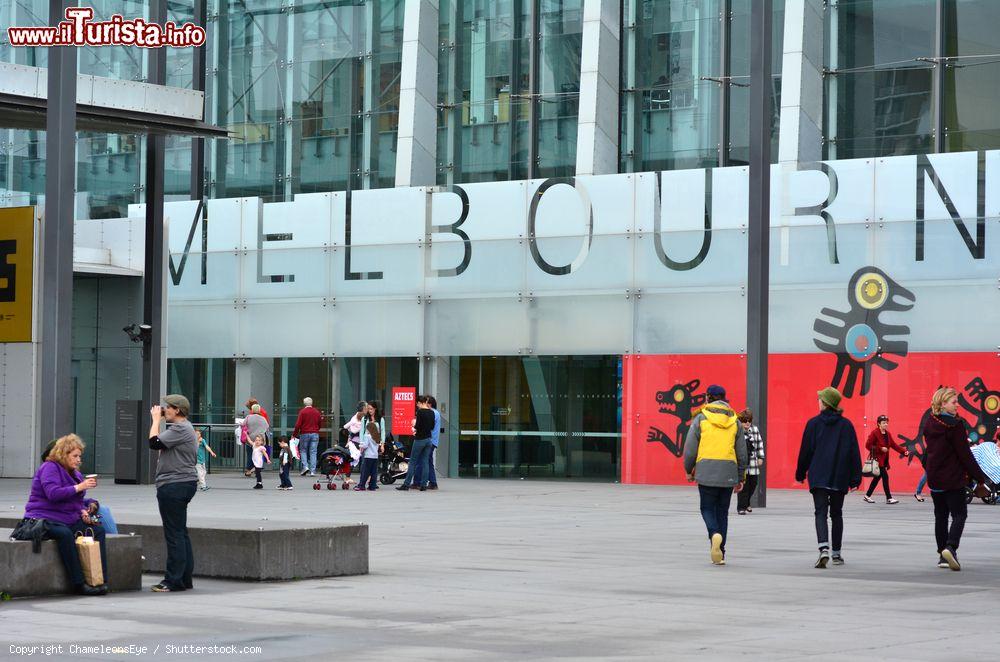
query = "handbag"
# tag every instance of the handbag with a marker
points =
(35, 530)
(90, 558)
(870, 468)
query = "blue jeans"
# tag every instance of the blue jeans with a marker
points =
(369, 473)
(173, 500)
(307, 450)
(419, 456)
(65, 537)
(432, 478)
(922, 484)
(107, 520)
(715, 510)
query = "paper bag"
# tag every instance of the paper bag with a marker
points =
(90, 559)
(293, 444)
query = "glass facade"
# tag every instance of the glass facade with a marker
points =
(543, 416)
(508, 89)
(678, 59)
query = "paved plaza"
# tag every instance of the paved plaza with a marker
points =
(495, 570)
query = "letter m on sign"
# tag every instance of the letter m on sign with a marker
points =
(200, 218)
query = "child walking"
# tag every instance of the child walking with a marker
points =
(260, 458)
(203, 451)
(285, 462)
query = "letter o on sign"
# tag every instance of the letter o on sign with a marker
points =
(588, 210)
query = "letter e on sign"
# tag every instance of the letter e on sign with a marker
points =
(17, 251)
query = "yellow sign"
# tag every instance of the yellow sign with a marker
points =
(17, 251)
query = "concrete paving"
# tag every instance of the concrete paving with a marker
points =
(492, 570)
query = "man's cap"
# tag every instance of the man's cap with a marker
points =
(178, 402)
(830, 397)
(716, 392)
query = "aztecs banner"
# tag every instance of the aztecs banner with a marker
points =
(662, 394)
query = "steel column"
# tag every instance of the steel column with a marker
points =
(198, 83)
(759, 220)
(937, 94)
(54, 406)
(153, 271)
(725, 16)
(534, 96)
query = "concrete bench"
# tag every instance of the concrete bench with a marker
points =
(255, 550)
(24, 573)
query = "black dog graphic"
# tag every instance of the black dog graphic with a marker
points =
(681, 401)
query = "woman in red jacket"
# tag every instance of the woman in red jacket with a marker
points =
(878, 445)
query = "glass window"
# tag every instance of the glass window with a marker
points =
(545, 417)
(879, 90)
(295, 379)
(971, 92)
(739, 70)
(485, 94)
(670, 113)
(109, 173)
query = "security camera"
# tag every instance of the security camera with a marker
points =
(139, 332)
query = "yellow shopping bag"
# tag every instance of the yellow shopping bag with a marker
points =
(90, 558)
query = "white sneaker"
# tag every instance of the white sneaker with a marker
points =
(716, 552)
(824, 558)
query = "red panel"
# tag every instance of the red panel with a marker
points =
(903, 394)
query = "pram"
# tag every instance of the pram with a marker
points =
(988, 457)
(335, 463)
(393, 464)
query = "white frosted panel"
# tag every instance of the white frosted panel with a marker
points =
(496, 211)
(975, 331)
(225, 224)
(496, 267)
(958, 174)
(222, 277)
(730, 197)
(794, 310)
(377, 328)
(287, 274)
(613, 200)
(582, 324)
(196, 331)
(561, 210)
(305, 222)
(401, 266)
(251, 222)
(725, 262)
(457, 327)
(275, 329)
(896, 189)
(179, 216)
(946, 255)
(383, 216)
(807, 250)
(854, 199)
(607, 265)
(712, 321)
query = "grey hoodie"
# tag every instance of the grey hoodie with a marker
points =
(723, 462)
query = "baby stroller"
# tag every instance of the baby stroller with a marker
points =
(393, 464)
(988, 457)
(335, 463)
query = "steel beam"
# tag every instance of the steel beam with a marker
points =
(54, 405)
(198, 84)
(937, 83)
(725, 46)
(759, 220)
(153, 283)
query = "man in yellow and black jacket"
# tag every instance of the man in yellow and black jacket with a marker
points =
(715, 455)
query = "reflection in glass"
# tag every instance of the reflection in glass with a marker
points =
(972, 94)
(879, 90)
(541, 416)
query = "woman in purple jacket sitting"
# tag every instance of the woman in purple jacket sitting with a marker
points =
(58, 495)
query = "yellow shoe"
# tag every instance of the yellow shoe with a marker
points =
(717, 557)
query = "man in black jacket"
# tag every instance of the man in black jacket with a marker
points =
(830, 457)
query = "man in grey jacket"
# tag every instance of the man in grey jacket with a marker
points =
(715, 455)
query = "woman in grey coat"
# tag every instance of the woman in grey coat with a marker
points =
(257, 425)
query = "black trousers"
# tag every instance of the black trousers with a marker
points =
(828, 502)
(950, 503)
(749, 487)
(173, 499)
(65, 537)
(883, 476)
